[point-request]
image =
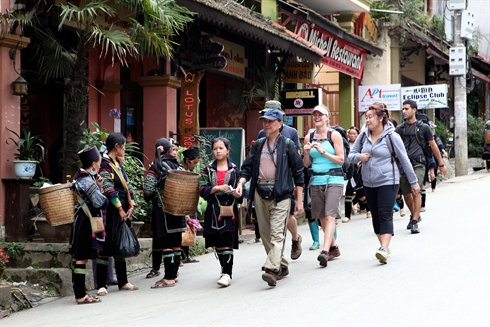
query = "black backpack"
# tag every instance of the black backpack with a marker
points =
(421, 119)
(347, 167)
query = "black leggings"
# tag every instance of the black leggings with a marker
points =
(380, 201)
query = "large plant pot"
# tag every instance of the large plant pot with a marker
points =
(53, 234)
(25, 168)
(137, 226)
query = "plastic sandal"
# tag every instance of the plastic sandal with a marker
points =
(162, 284)
(129, 287)
(89, 299)
(102, 291)
(153, 273)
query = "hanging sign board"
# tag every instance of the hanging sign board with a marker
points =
(300, 102)
(298, 72)
(389, 94)
(340, 54)
(426, 96)
(189, 108)
(236, 63)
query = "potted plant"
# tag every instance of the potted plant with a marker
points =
(30, 151)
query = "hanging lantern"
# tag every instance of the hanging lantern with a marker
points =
(19, 86)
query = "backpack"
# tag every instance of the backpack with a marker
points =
(347, 168)
(428, 154)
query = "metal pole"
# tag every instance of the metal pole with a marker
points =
(460, 115)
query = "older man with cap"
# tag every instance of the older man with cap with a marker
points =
(292, 134)
(269, 160)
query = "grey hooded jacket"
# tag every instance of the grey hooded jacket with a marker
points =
(378, 170)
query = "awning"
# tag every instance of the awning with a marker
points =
(433, 49)
(243, 21)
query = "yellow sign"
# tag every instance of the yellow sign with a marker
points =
(235, 57)
(298, 72)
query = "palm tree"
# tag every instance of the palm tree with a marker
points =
(152, 24)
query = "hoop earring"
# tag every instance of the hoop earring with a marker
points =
(92, 171)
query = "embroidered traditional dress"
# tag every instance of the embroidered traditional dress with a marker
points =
(118, 196)
(83, 243)
(162, 223)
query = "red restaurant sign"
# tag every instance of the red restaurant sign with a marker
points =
(341, 55)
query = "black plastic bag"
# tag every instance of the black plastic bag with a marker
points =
(126, 242)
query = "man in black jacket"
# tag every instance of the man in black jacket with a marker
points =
(272, 165)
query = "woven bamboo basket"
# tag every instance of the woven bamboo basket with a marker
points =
(181, 192)
(58, 204)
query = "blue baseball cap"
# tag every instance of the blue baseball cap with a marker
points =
(273, 114)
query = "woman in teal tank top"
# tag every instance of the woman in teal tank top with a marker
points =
(325, 161)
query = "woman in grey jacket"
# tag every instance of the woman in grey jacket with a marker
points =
(377, 148)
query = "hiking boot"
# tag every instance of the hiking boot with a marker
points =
(225, 280)
(296, 248)
(333, 252)
(323, 258)
(283, 273)
(270, 277)
(402, 212)
(415, 227)
(409, 226)
(382, 255)
(345, 220)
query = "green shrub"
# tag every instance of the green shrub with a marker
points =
(476, 126)
(441, 131)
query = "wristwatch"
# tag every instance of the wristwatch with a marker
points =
(441, 165)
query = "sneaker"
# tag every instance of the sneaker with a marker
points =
(283, 273)
(410, 222)
(382, 255)
(270, 277)
(323, 258)
(345, 220)
(296, 248)
(225, 280)
(402, 212)
(333, 252)
(368, 215)
(415, 227)
(422, 209)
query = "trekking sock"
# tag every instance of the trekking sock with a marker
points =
(121, 272)
(227, 262)
(102, 272)
(177, 258)
(168, 263)
(400, 202)
(423, 193)
(348, 207)
(156, 259)
(78, 277)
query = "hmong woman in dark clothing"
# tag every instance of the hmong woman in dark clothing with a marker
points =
(167, 229)
(83, 243)
(217, 187)
(120, 194)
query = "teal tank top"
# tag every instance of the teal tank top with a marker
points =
(321, 164)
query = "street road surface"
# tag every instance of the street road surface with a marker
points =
(438, 277)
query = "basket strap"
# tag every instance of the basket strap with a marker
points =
(123, 181)
(83, 204)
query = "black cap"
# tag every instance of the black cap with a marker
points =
(193, 152)
(165, 143)
(88, 156)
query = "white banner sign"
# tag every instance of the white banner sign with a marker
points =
(426, 96)
(389, 94)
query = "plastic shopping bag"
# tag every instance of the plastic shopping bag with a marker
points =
(126, 242)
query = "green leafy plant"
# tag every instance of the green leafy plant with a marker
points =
(14, 250)
(29, 147)
(441, 131)
(198, 249)
(41, 181)
(93, 138)
(475, 128)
